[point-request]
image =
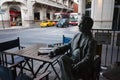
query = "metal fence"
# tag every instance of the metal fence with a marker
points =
(110, 41)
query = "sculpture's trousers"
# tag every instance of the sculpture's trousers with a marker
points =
(66, 68)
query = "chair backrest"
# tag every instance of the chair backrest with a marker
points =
(6, 73)
(10, 44)
(66, 39)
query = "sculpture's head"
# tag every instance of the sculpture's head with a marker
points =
(86, 24)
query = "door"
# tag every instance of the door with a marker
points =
(116, 16)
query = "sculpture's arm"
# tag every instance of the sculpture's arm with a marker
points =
(62, 49)
(59, 50)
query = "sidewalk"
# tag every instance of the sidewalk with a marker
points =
(14, 28)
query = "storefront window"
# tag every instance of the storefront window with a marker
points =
(36, 16)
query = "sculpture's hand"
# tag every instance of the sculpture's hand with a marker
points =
(51, 54)
(75, 68)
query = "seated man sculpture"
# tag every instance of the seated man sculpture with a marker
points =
(81, 53)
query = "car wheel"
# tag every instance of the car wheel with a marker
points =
(68, 25)
(64, 25)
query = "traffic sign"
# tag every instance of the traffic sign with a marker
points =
(2, 11)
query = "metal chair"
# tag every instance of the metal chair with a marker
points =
(9, 45)
(6, 73)
(9, 74)
(66, 39)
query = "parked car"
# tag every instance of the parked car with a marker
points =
(46, 23)
(73, 22)
(55, 21)
(64, 22)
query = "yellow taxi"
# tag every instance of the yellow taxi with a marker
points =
(46, 23)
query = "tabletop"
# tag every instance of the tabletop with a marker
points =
(32, 52)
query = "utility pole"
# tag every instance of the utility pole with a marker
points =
(1, 13)
(81, 9)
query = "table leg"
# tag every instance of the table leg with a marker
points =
(46, 68)
(22, 66)
(55, 71)
(40, 67)
(31, 68)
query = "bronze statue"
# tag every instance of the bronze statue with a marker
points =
(81, 53)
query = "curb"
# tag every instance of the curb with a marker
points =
(15, 29)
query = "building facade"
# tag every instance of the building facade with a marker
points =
(75, 7)
(105, 13)
(29, 12)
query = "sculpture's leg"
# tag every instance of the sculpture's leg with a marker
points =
(66, 68)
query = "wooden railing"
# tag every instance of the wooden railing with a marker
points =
(110, 41)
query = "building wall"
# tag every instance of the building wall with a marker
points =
(27, 10)
(101, 12)
(75, 7)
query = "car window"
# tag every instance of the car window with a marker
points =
(44, 21)
(73, 19)
(62, 21)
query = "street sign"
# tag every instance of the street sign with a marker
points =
(2, 11)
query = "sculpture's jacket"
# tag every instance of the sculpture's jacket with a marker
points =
(79, 57)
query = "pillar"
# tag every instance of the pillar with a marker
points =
(102, 13)
(28, 14)
(81, 9)
(4, 16)
(51, 14)
(43, 13)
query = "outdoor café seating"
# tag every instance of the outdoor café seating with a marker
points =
(10, 59)
(28, 54)
(12, 65)
(9, 45)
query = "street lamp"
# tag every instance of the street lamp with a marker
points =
(1, 13)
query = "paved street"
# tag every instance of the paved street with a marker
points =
(29, 36)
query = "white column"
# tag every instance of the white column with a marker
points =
(30, 13)
(51, 15)
(42, 14)
(81, 9)
(102, 13)
(5, 16)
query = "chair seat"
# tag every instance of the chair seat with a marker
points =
(16, 59)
